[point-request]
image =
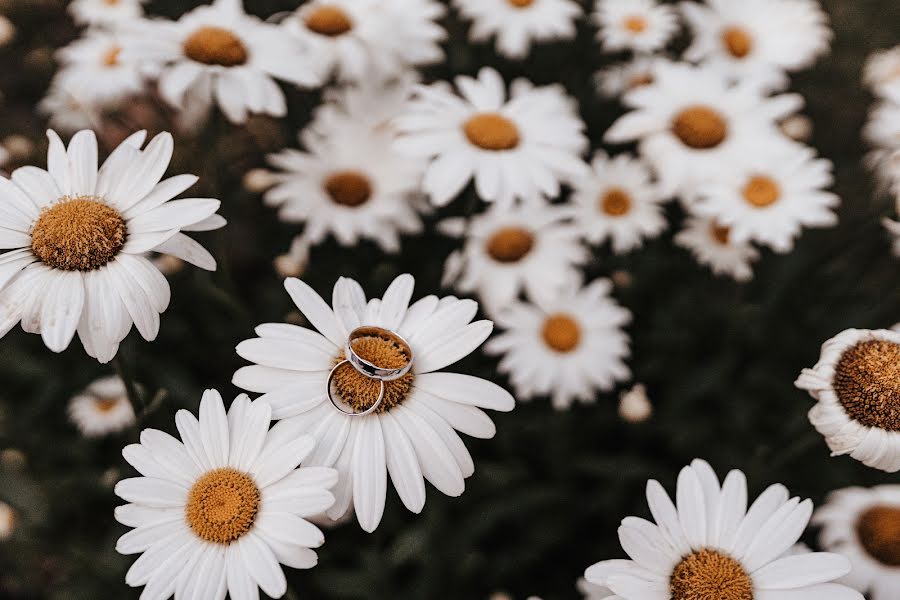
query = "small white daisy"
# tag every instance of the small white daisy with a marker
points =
(368, 105)
(757, 39)
(864, 525)
(518, 23)
(102, 408)
(639, 25)
(708, 545)
(505, 252)
(882, 73)
(619, 201)
(105, 12)
(882, 128)
(68, 107)
(215, 513)
(412, 434)
(634, 405)
(856, 385)
(94, 64)
(520, 147)
(712, 245)
(566, 347)
(77, 235)
(616, 80)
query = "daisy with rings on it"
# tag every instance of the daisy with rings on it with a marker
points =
(105, 13)
(712, 245)
(642, 26)
(102, 408)
(856, 385)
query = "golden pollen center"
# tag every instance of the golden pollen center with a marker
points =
(640, 80)
(328, 20)
(348, 188)
(222, 505)
(636, 24)
(615, 202)
(111, 57)
(720, 233)
(867, 383)
(737, 41)
(78, 234)
(492, 131)
(561, 332)
(521, 3)
(700, 127)
(111, 2)
(105, 405)
(710, 575)
(879, 533)
(216, 46)
(361, 392)
(510, 244)
(761, 191)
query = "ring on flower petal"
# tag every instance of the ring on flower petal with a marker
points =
(342, 406)
(370, 369)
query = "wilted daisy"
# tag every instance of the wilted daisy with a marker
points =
(520, 147)
(102, 408)
(757, 39)
(618, 79)
(518, 23)
(78, 235)
(566, 347)
(95, 66)
(856, 385)
(638, 25)
(217, 512)
(105, 12)
(709, 546)
(882, 73)
(619, 201)
(412, 432)
(505, 252)
(712, 245)
(863, 524)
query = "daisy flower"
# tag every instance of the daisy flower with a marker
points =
(68, 107)
(518, 23)
(864, 525)
(768, 198)
(412, 434)
(639, 25)
(712, 245)
(77, 237)
(881, 73)
(757, 39)
(520, 147)
(217, 512)
(94, 65)
(534, 249)
(102, 408)
(366, 106)
(220, 53)
(616, 80)
(618, 201)
(856, 385)
(566, 347)
(708, 545)
(634, 405)
(105, 12)
(690, 121)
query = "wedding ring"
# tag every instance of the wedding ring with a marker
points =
(372, 370)
(341, 405)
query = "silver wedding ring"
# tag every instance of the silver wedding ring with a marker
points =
(343, 406)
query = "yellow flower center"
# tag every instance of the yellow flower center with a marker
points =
(737, 41)
(509, 244)
(700, 127)
(640, 80)
(222, 505)
(710, 575)
(492, 131)
(111, 57)
(78, 234)
(615, 202)
(361, 392)
(561, 333)
(521, 3)
(216, 46)
(635, 24)
(111, 2)
(106, 405)
(329, 21)
(348, 188)
(879, 533)
(867, 383)
(761, 191)
(720, 233)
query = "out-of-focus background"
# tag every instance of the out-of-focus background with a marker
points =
(718, 358)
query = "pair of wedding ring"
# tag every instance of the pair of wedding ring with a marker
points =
(367, 368)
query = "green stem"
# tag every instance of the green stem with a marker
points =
(134, 396)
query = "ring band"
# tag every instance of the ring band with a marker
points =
(372, 370)
(351, 413)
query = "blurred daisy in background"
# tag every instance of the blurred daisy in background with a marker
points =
(567, 347)
(105, 12)
(619, 202)
(517, 147)
(7, 521)
(508, 251)
(856, 385)
(712, 245)
(68, 107)
(102, 408)
(642, 26)
(517, 24)
(370, 105)
(412, 434)
(635, 405)
(710, 545)
(217, 512)
(617, 79)
(881, 73)
(863, 524)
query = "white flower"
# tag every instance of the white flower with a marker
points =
(368, 105)
(534, 249)
(769, 197)
(77, 236)
(618, 201)
(638, 25)
(517, 147)
(709, 546)
(220, 53)
(412, 434)
(712, 245)
(757, 39)
(518, 23)
(864, 525)
(566, 347)
(615, 80)
(690, 121)
(102, 408)
(105, 12)
(634, 406)
(7, 521)
(856, 385)
(882, 73)
(217, 512)
(68, 107)
(882, 128)
(95, 66)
